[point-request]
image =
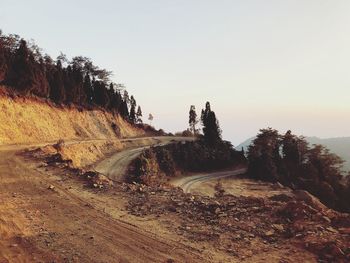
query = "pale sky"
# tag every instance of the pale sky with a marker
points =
(283, 64)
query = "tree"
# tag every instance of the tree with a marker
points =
(116, 98)
(123, 110)
(139, 115)
(263, 156)
(211, 129)
(27, 75)
(21, 74)
(132, 109)
(150, 118)
(100, 97)
(193, 119)
(87, 87)
(57, 91)
(126, 97)
(289, 160)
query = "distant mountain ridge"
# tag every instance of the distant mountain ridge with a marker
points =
(338, 145)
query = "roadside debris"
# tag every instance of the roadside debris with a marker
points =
(49, 157)
(230, 223)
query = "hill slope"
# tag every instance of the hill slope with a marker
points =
(28, 120)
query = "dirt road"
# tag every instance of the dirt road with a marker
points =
(232, 182)
(50, 218)
(191, 183)
(115, 166)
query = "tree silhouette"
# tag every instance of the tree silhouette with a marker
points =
(87, 87)
(263, 154)
(132, 109)
(139, 115)
(193, 119)
(21, 73)
(123, 109)
(211, 129)
(57, 91)
(289, 160)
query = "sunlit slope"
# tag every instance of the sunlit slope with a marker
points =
(31, 120)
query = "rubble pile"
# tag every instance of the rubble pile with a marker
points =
(49, 157)
(232, 223)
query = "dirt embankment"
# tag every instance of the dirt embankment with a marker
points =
(80, 154)
(29, 120)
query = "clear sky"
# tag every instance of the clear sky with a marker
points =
(283, 64)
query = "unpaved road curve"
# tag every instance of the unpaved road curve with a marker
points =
(190, 183)
(61, 225)
(116, 165)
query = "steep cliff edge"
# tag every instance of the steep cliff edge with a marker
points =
(31, 120)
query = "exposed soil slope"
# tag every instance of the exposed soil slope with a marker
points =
(24, 120)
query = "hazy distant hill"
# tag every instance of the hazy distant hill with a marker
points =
(339, 146)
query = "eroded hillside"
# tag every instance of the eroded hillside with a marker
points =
(29, 120)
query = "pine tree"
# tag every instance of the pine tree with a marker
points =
(193, 119)
(57, 91)
(80, 97)
(21, 75)
(126, 97)
(116, 99)
(211, 129)
(87, 87)
(139, 114)
(132, 109)
(101, 97)
(123, 110)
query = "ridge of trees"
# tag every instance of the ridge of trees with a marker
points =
(24, 69)
(290, 160)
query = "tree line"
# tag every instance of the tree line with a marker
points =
(24, 69)
(290, 160)
(209, 152)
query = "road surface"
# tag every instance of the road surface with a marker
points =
(69, 223)
(116, 165)
(190, 183)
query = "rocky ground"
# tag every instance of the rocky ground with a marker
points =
(247, 226)
(279, 228)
